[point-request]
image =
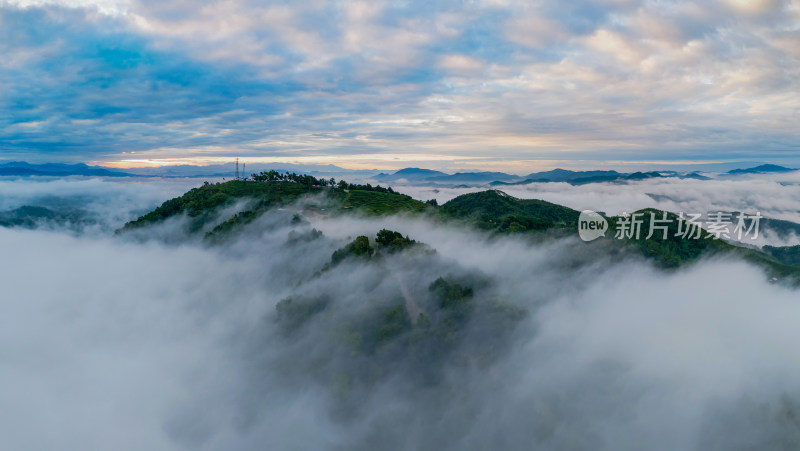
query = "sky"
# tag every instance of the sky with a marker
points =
(483, 84)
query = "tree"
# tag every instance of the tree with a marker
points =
(357, 248)
(450, 294)
(393, 241)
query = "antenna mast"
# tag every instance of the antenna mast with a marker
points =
(236, 177)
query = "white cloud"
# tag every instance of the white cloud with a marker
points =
(602, 80)
(110, 343)
(109, 7)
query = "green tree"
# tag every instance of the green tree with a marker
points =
(359, 248)
(393, 241)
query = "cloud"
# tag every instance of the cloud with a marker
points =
(594, 80)
(770, 195)
(92, 206)
(110, 342)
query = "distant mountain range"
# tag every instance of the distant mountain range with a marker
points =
(415, 176)
(429, 177)
(21, 168)
(228, 170)
(24, 169)
(584, 177)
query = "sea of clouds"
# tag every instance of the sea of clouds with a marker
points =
(773, 196)
(108, 342)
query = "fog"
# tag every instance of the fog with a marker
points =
(775, 196)
(94, 205)
(117, 343)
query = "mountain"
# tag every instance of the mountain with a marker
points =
(362, 306)
(582, 177)
(204, 205)
(565, 175)
(496, 210)
(788, 255)
(217, 211)
(427, 176)
(474, 177)
(21, 168)
(418, 175)
(696, 176)
(228, 170)
(14, 171)
(33, 216)
(488, 210)
(411, 174)
(643, 175)
(763, 169)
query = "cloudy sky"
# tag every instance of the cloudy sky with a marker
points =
(477, 84)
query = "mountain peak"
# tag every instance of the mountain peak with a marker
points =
(406, 171)
(762, 169)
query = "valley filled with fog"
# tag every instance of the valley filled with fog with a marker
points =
(154, 341)
(773, 195)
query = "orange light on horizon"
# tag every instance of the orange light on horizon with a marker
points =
(360, 161)
(390, 162)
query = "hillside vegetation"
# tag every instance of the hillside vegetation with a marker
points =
(403, 328)
(380, 203)
(495, 210)
(198, 203)
(202, 203)
(492, 211)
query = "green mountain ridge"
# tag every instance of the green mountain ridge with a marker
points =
(491, 211)
(31, 216)
(497, 211)
(381, 306)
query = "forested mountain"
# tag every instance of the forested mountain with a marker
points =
(217, 211)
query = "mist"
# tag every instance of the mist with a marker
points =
(775, 196)
(88, 205)
(122, 343)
